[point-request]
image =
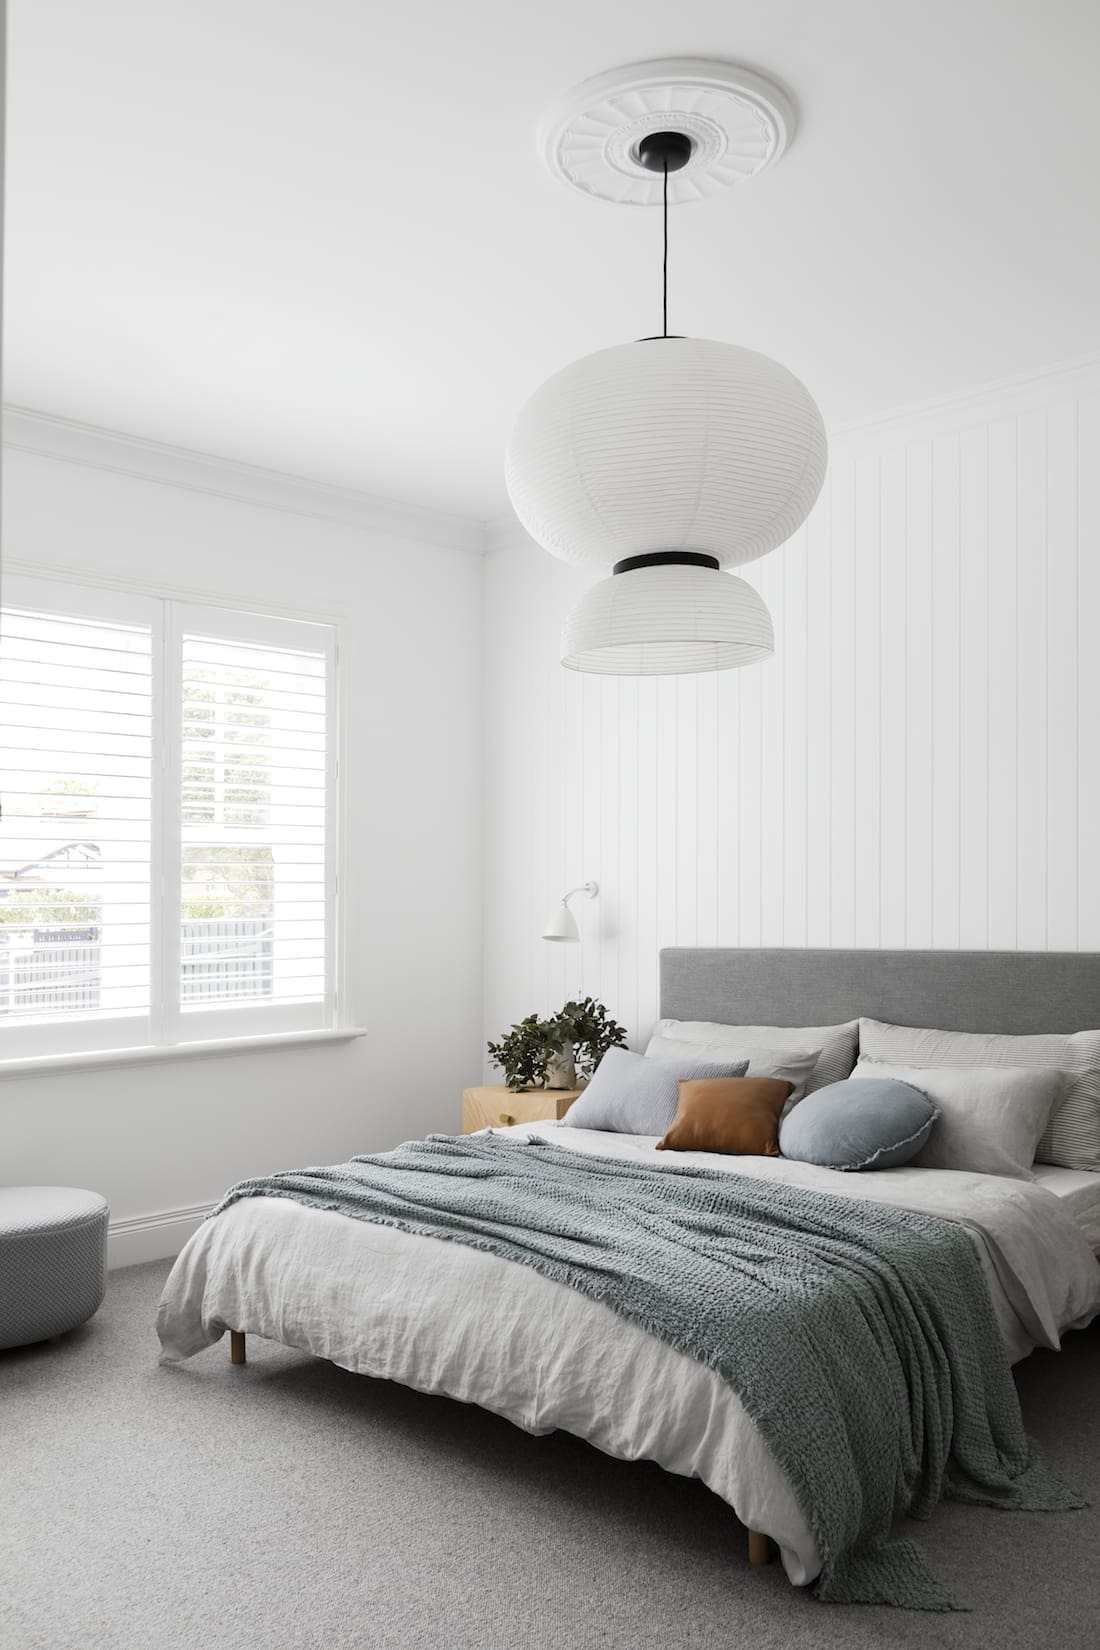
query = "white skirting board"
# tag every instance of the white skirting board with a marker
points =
(152, 1237)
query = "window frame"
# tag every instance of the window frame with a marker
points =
(168, 1025)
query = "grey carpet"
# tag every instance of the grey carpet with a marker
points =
(291, 1505)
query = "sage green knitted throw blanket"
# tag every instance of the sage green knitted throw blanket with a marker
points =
(860, 1339)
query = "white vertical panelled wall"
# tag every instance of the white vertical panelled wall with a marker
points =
(916, 767)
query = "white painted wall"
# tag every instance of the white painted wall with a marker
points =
(916, 767)
(168, 1137)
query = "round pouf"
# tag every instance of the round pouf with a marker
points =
(53, 1260)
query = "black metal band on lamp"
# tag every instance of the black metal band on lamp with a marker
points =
(667, 558)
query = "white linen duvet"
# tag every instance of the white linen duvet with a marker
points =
(445, 1318)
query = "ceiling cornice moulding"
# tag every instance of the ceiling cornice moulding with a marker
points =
(999, 398)
(74, 443)
(507, 533)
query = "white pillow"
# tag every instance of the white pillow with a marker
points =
(837, 1043)
(990, 1118)
(791, 1065)
(1072, 1137)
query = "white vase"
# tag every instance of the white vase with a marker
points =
(561, 1073)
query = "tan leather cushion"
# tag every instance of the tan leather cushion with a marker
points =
(728, 1114)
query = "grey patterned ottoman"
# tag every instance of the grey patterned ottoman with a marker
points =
(53, 1260)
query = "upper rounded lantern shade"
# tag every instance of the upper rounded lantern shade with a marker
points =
(667, 621)
(666, 444)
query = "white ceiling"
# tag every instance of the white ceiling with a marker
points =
(314, 235)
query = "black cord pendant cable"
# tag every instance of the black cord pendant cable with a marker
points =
(664, 266)
(664, 152)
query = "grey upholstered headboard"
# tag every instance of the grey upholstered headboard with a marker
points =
(1005, 991)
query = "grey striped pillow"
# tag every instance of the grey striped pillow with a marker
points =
(834, 1063)
(794, 1066)
(1072, 1137)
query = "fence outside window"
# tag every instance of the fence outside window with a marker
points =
(224, 958)
(57, 970)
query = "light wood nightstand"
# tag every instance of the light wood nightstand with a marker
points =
(496, 1103)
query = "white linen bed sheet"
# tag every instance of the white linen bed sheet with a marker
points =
(1078, 1191)
(445, 1318)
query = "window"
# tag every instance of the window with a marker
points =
(167, 867)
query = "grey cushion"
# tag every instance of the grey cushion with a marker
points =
(53, 1260)
(1072, 1135)
(990, 1118)
(791, 1065)
(630, 1094)
(866, 1125)
(837, 1043)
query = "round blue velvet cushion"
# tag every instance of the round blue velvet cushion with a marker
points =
(877, 1124)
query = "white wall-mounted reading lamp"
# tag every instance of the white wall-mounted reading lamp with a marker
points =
(561, 924)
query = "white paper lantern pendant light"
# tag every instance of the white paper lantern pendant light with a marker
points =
(669, 460)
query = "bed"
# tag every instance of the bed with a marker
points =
(450, 1319)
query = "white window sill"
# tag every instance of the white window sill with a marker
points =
(42, 1065)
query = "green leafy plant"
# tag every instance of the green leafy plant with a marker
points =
(592, 1031)
(524, 1053)
(582, 1031)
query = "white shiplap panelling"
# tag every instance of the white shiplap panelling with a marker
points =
(916, 767)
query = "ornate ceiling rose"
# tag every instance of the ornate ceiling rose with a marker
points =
(739, 124)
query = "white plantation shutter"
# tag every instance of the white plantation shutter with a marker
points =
(76, 713)
(253, 801)
(167, 870)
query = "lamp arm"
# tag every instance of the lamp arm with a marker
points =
(589, 888)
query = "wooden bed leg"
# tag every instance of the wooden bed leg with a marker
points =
(236, 1348)
(761, 1548)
